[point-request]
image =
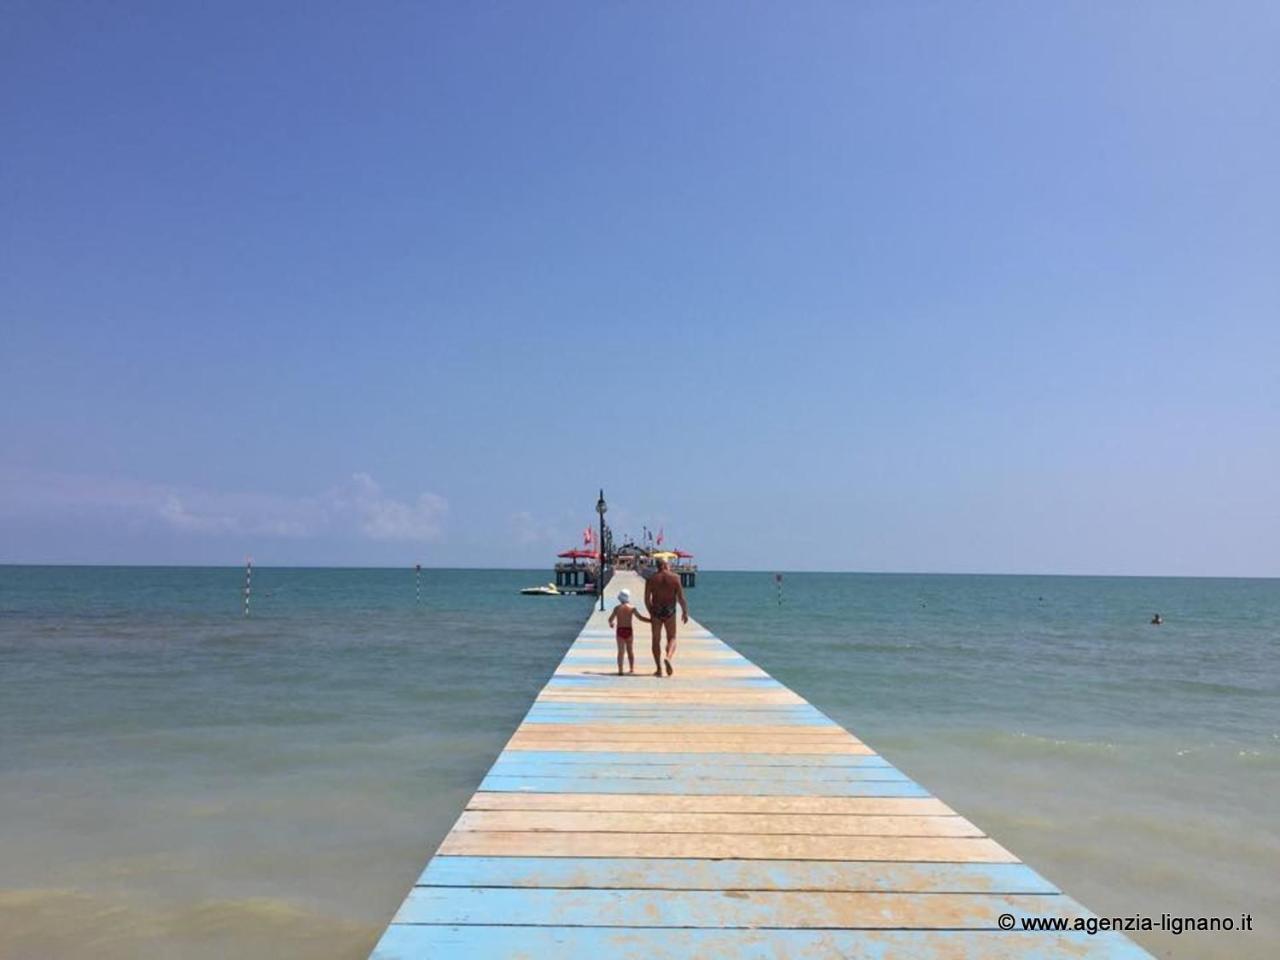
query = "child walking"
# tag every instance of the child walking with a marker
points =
(623, 614)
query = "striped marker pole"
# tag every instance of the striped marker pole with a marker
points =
(417, 583)
(778, 578)
(248, 582)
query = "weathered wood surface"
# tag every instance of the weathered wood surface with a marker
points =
(713, 814)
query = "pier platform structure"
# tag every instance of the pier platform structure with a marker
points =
(714, 814)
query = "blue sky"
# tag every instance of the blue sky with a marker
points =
(860, 286)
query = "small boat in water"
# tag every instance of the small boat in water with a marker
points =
(548, 591)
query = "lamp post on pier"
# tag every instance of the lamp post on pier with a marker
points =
(601, 508)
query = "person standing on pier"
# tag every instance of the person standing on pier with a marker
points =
(622, 615)
(662, 592)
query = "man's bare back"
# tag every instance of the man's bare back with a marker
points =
(662, 594)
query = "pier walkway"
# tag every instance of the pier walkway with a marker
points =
(715, 814)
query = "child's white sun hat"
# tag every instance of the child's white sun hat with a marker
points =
(624, 596)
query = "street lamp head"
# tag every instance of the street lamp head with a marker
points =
(601, 506)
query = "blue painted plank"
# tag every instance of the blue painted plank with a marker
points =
(505, 767)
(638, 706)
(702, 760)
(713, 909)
(605, 873)
(408, 942)
(608, 667)
(593, 713)
(611, 680)
(626, 705)
(702, 787)
(623, 721)
(608, 654)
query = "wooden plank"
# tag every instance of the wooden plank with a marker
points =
(415, 942)
(499, 783)
(600, 873)
(730, 746)
(713, 803)
(604, 760)
(606, 666)
(692, 909)
(696, 675)
(788, 765)
(606, 672)
(608, 705)
(612, 713)
(790, 712)
(723, 745)
(686, 654)
(757, 823)
(605, 653)
(673, 693)
(509, 765)
(649, 731)
(736, 666)
(725, 846)
(666, 716)
(631, 689)
(640, 682)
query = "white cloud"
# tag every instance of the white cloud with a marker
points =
(528, 529)
(382, 518)
(179, 517)
(356, 508)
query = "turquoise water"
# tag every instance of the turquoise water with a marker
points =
(176, 780)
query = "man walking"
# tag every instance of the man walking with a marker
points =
(662, 592)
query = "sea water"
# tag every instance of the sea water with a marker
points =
(178, 780)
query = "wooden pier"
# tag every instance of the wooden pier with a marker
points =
(715, 814)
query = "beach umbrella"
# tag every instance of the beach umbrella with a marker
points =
(579, 554)
(684, 556)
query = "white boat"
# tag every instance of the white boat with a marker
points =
(548, 591)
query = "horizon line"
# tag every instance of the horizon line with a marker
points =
(763, 570)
